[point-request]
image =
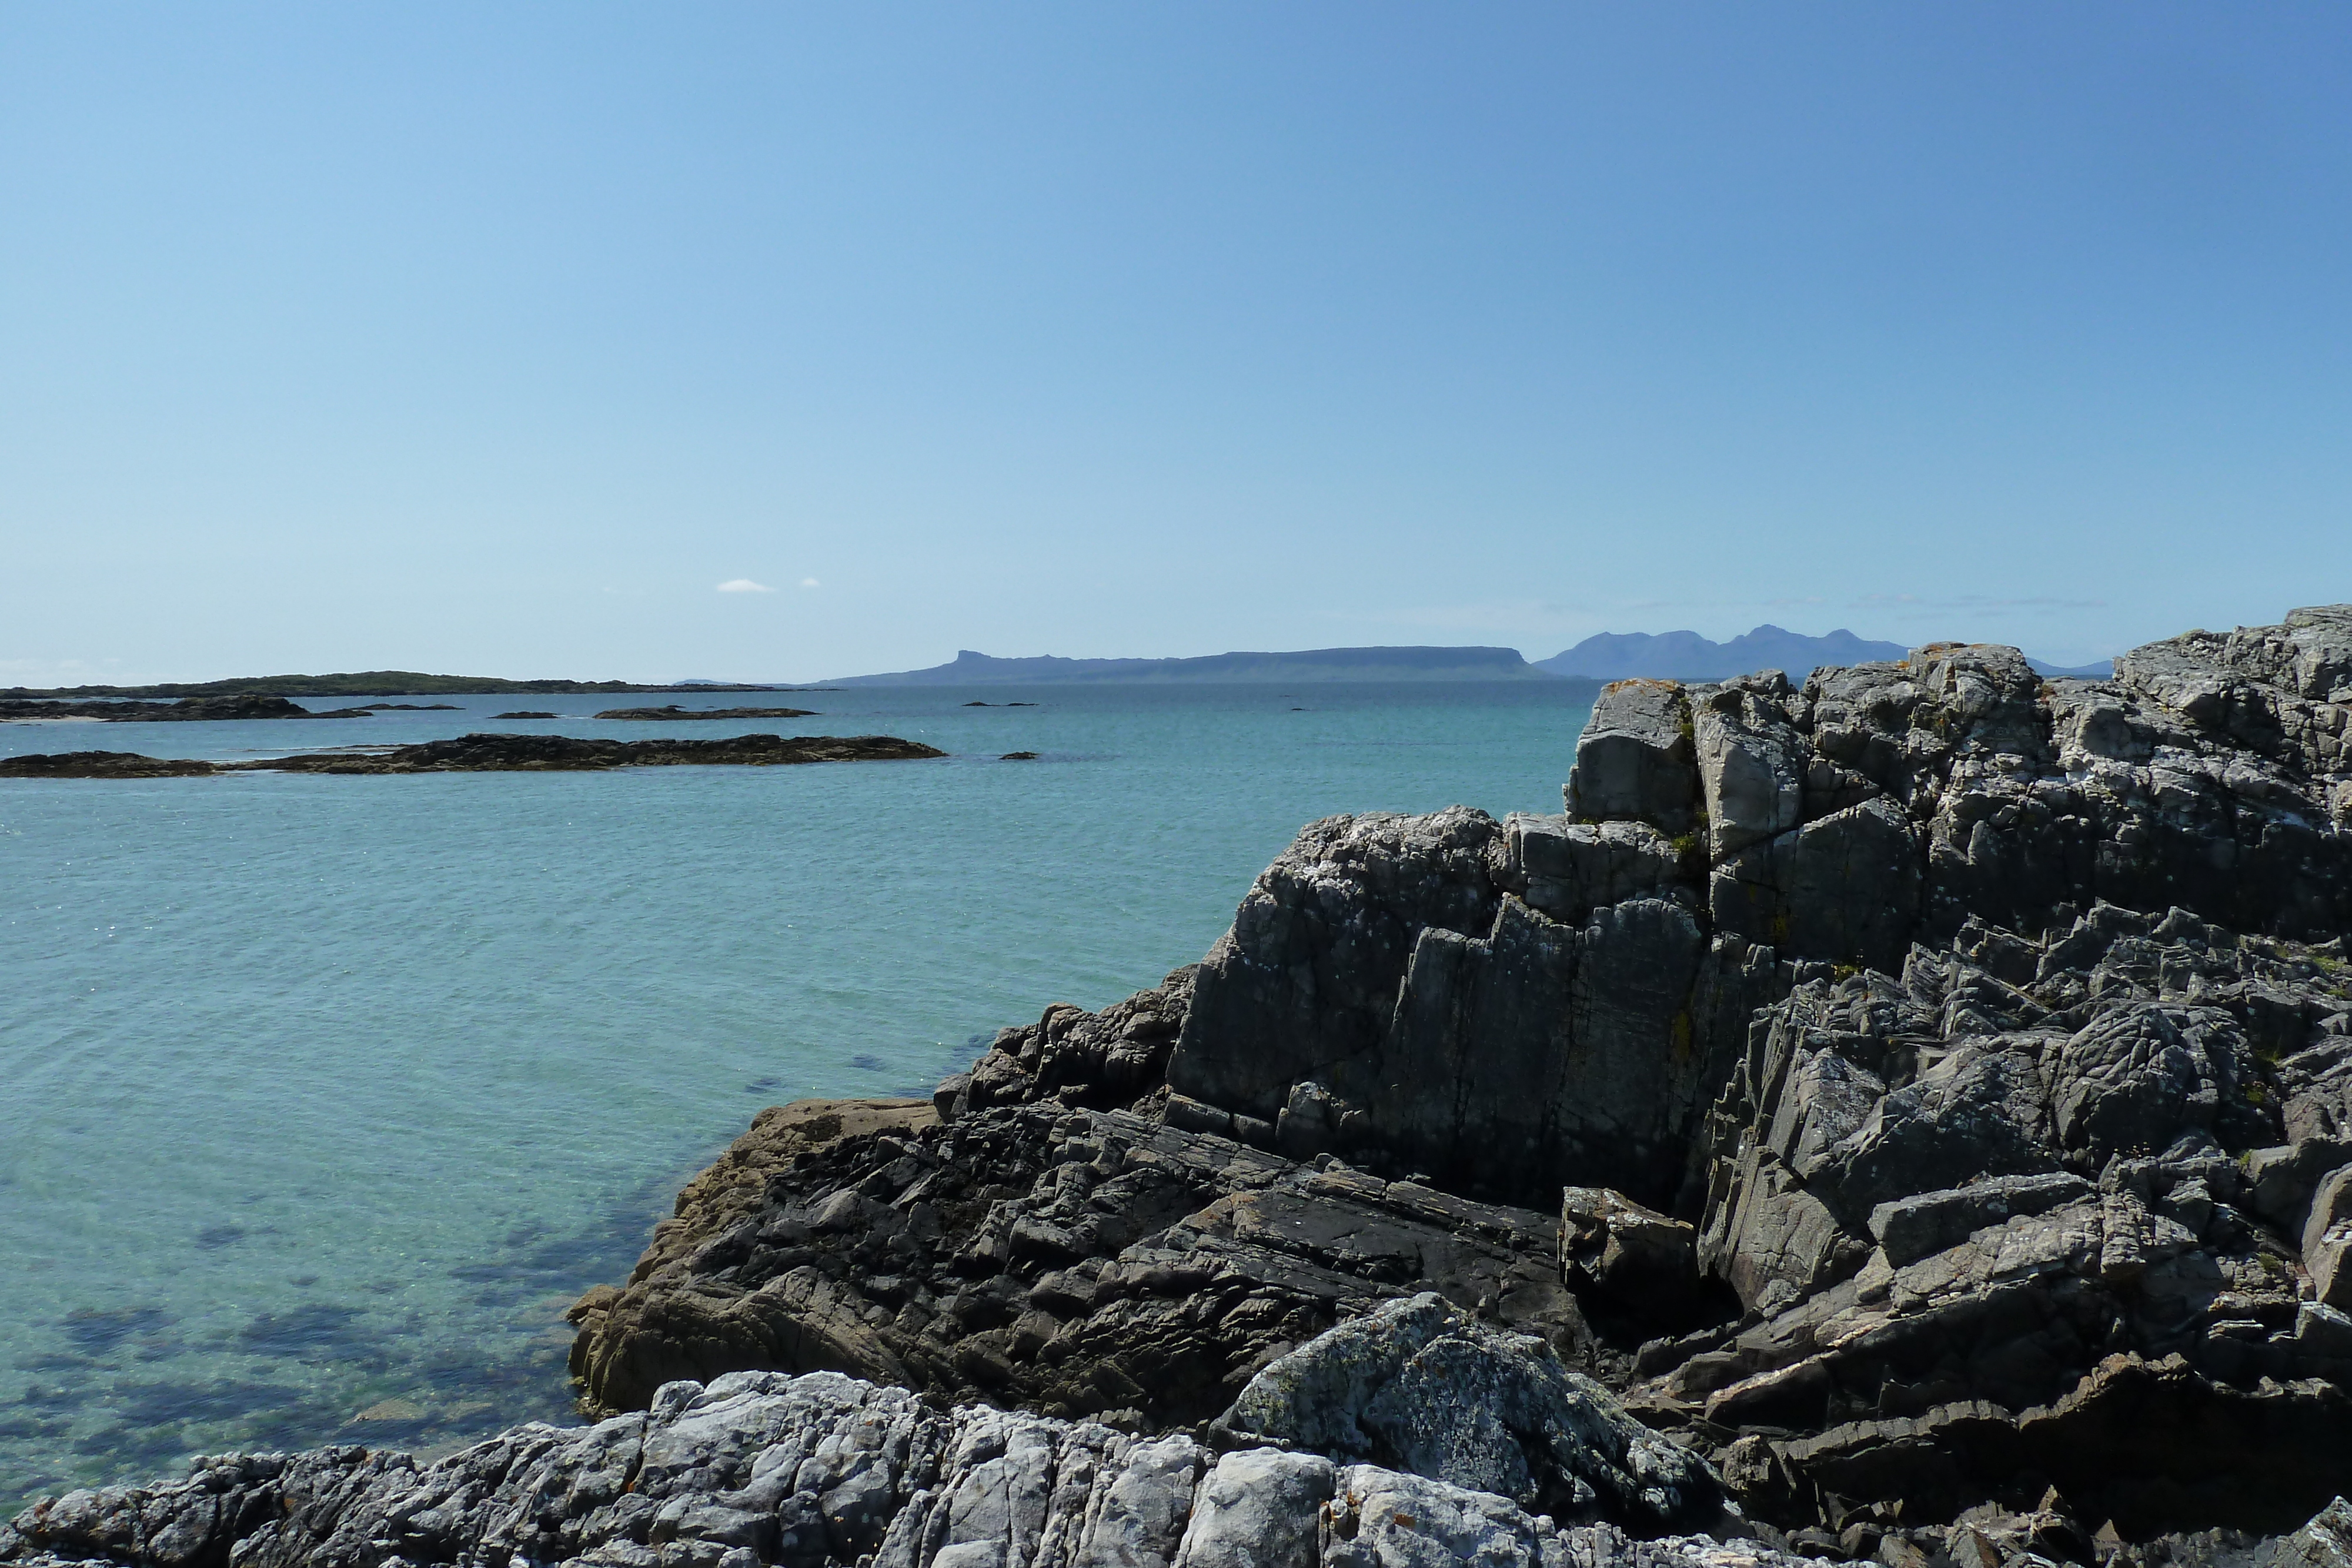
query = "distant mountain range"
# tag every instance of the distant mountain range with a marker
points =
(1687, 656)
(970, 669)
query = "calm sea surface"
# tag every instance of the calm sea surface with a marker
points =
(321, 1098)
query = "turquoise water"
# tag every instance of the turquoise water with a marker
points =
(321, 1097)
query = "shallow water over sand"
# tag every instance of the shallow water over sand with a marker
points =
(321, 1097)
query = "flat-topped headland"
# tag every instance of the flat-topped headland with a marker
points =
(1905, 1117)
(493, 754)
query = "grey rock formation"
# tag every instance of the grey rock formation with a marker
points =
(1635, 760)
(1566, 869)
(1073, 1057)
(1909, 1228)
(1629, 1256)
(2013, 1017)
(2326, 1542)
(1307, 980)
(760, 1467)
(1752, 763)
(1075, 1261)
(1419, 1387)
(2328, 1241)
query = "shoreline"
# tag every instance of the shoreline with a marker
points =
(1864, 1063)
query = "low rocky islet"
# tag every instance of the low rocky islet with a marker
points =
(493, 754)
(1951, 1071)
(235, 706)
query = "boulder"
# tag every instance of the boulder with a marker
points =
(1752, 764)
(2137, 1076)
(1843, 889)
(1909, 1228)
(1307, 977)
(2328, 1241)
(1633, 1256)
(1417, 1386)
(1567, 867)
(1635, 762)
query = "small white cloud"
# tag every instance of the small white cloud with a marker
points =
(743, 585)
(808, 582)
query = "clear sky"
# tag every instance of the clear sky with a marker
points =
(496, 337)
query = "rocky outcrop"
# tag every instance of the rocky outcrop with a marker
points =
(235, 706)
(1390, 993)
(103, 764)
(1069, 1260)
(761, 1468)
(822, 1469)
(528, 753)
(1511, 1006)
(1072, 1057)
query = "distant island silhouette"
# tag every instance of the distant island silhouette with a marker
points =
(970, 669)
(1605, 656)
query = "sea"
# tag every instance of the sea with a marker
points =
(322, 1097)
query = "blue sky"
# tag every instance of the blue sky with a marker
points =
(495, 338)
